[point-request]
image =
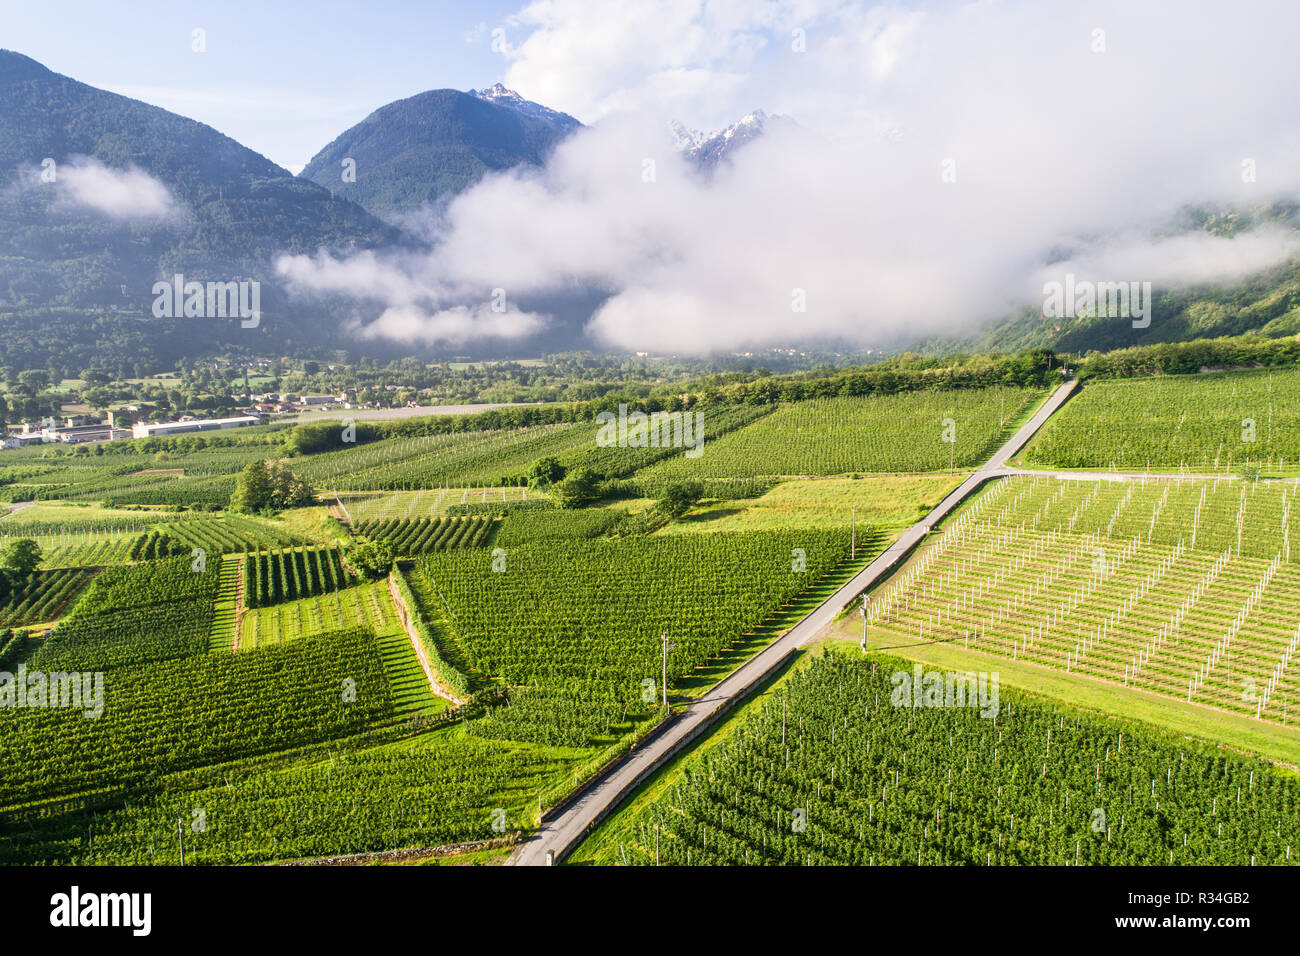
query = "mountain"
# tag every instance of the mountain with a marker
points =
(433, 145)
(497, 94)
(1266, 304)
(102, 195)
(709, 150)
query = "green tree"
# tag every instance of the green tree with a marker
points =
(253, 489)
(18, 562)
(578, 488)
(678, 498)
(262, 485)
(374, 559)
(33, 380)
(290, 491)
(545, 471)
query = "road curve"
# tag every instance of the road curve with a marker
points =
(560, 835)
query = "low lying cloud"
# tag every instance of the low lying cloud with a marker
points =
(946, 157)
(414, 306)
(1191, 259)
(127, 194)
(454, 326)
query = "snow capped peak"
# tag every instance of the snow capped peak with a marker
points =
(500, 95)
(499, 91)
(707, 150)
(685, 139)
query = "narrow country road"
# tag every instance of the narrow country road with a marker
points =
(558, 837)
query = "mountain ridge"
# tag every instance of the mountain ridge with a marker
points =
(424, 148)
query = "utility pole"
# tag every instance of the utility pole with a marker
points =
(668, 646)
(865, 599)
(180, 835)
(853, 537)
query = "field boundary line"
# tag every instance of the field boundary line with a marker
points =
(553, 841)
(404, 616)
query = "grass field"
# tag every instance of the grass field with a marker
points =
(882, 502)
(430, 503)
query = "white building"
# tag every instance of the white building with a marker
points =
(148, 430)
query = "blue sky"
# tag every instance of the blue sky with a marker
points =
(283, 77)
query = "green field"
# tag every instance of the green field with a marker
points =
(887, 502)
(1200, 423)
(575, 626)
(368, 606)
(408, 536)
(1184, 588)
(834, 767)
(840, 436)
(254, 675)
(426, 504)
(498, 458)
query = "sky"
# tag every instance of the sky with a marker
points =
(946, 160)
(283, 78)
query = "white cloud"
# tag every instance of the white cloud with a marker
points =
(119, 193)
(1177, 261)
(1053, 147)
(592, 58)
(453, 326)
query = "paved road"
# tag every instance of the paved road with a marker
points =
(564, 832)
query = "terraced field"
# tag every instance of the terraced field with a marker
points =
(1186, 588)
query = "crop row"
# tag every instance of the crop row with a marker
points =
(1184, 588)
(582, 620)
(425, 535)
(192, 711)
(838, 768)
(913, 432)
(44, 597)
(232, 534)
(1202, 423)
(287, 574)
(445, 791)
